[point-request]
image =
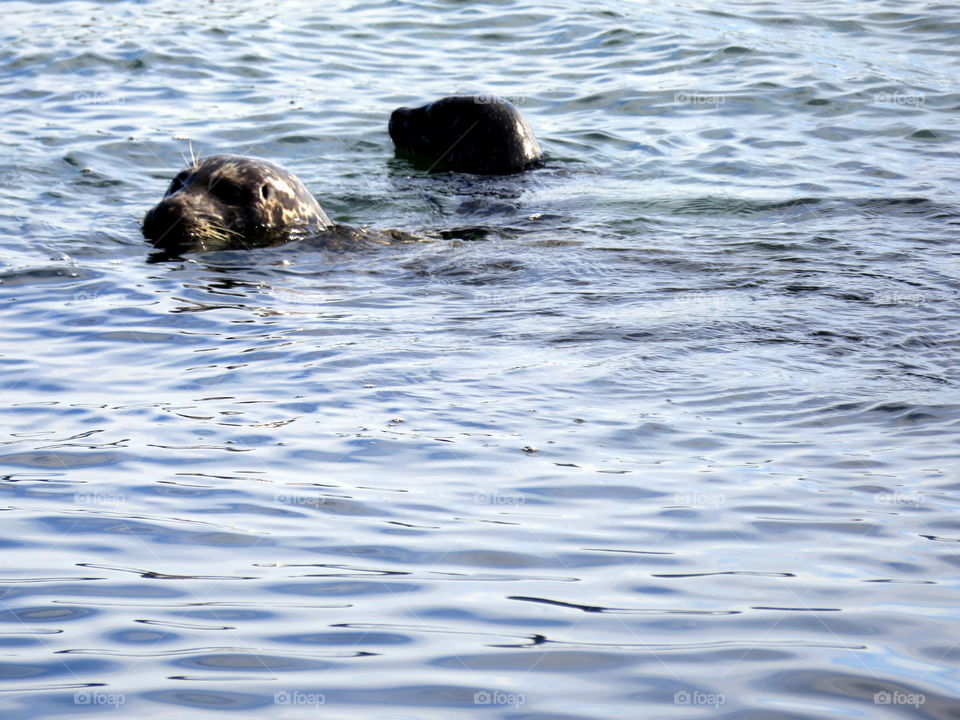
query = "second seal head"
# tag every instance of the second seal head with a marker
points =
(466, 133)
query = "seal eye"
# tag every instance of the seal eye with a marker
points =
(228, 192)
(266, 191)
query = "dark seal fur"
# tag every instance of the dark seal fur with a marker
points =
(470, 133)
(232, 201)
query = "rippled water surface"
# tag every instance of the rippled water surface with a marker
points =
(666, 428)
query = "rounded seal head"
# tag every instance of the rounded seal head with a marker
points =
(229, 202)
(466, 133)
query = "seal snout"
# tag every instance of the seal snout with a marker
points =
(158, 220)
(172, 222)
(399, 125)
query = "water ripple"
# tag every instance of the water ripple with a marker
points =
(667, 422)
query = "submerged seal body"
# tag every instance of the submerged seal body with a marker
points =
(466, 133)
(232, 201)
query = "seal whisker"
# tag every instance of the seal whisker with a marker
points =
(221, 229)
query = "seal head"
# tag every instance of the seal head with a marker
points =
(466, 133)
(231, 201)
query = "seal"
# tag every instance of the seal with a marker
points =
(232, 201)
(466, 133)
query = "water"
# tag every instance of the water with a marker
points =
(667, 428)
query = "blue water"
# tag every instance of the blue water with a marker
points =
(666, 428)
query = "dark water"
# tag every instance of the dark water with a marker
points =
(677, 436)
